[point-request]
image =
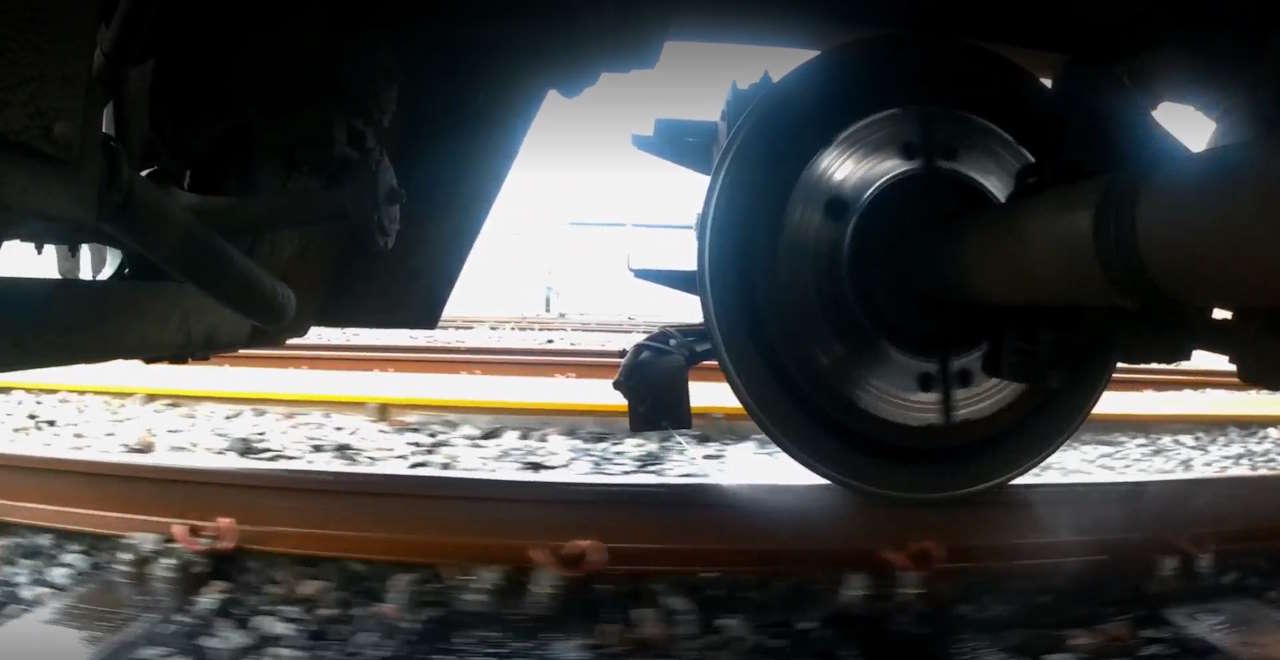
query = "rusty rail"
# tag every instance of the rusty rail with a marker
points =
(570, 362)
(683, 527)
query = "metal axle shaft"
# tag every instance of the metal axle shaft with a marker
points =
(1202, 232)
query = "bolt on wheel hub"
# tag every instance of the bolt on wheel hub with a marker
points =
(850, 232)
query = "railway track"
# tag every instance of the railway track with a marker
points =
(596, 363)
(1119, 532)
(680, 527)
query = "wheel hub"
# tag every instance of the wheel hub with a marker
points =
(820, 209)
(860, 334)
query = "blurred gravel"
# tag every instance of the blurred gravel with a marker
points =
(265, 607)
(230, 434)
(37, 566)
(251, 606)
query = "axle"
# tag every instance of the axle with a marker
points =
(1199, 233)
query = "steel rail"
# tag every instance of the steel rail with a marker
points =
(597, 363)
(544, 324)
(679, 527)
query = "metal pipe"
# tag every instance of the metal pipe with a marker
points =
(285, 210)
(1202, 232)
(1027, 252)
(104, 192)
(143, 216)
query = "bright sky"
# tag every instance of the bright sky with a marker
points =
(577, 165)
(20, 259)
(1186, 123)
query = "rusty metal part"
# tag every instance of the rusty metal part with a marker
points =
(577, 557)
(1142, 378)
(653, 527)
(596, 364)
(221, 536)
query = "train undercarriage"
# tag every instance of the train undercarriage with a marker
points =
(918, 264)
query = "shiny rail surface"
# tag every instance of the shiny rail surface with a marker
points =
(679, 527)
(570, 362)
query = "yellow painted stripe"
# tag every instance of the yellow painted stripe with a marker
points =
(320, 397)
(1205, 417)
(535, 396)
(1216, 406)
(316, 397)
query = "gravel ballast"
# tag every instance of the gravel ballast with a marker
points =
(140, 428)
(251, 606)
(37, 566)
(265, 607)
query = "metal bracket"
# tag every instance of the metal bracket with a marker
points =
(654, 377)
(912, 565)
(577, 557)
(685, 281)
(222, 536)
(696, 143)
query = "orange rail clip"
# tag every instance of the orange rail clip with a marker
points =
(222, 536)
(921, 557)
(1199, 549)
(577, 557)
(1194, 544)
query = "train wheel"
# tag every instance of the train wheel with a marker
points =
(811, 232)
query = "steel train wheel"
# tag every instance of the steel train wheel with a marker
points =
(806, 241)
